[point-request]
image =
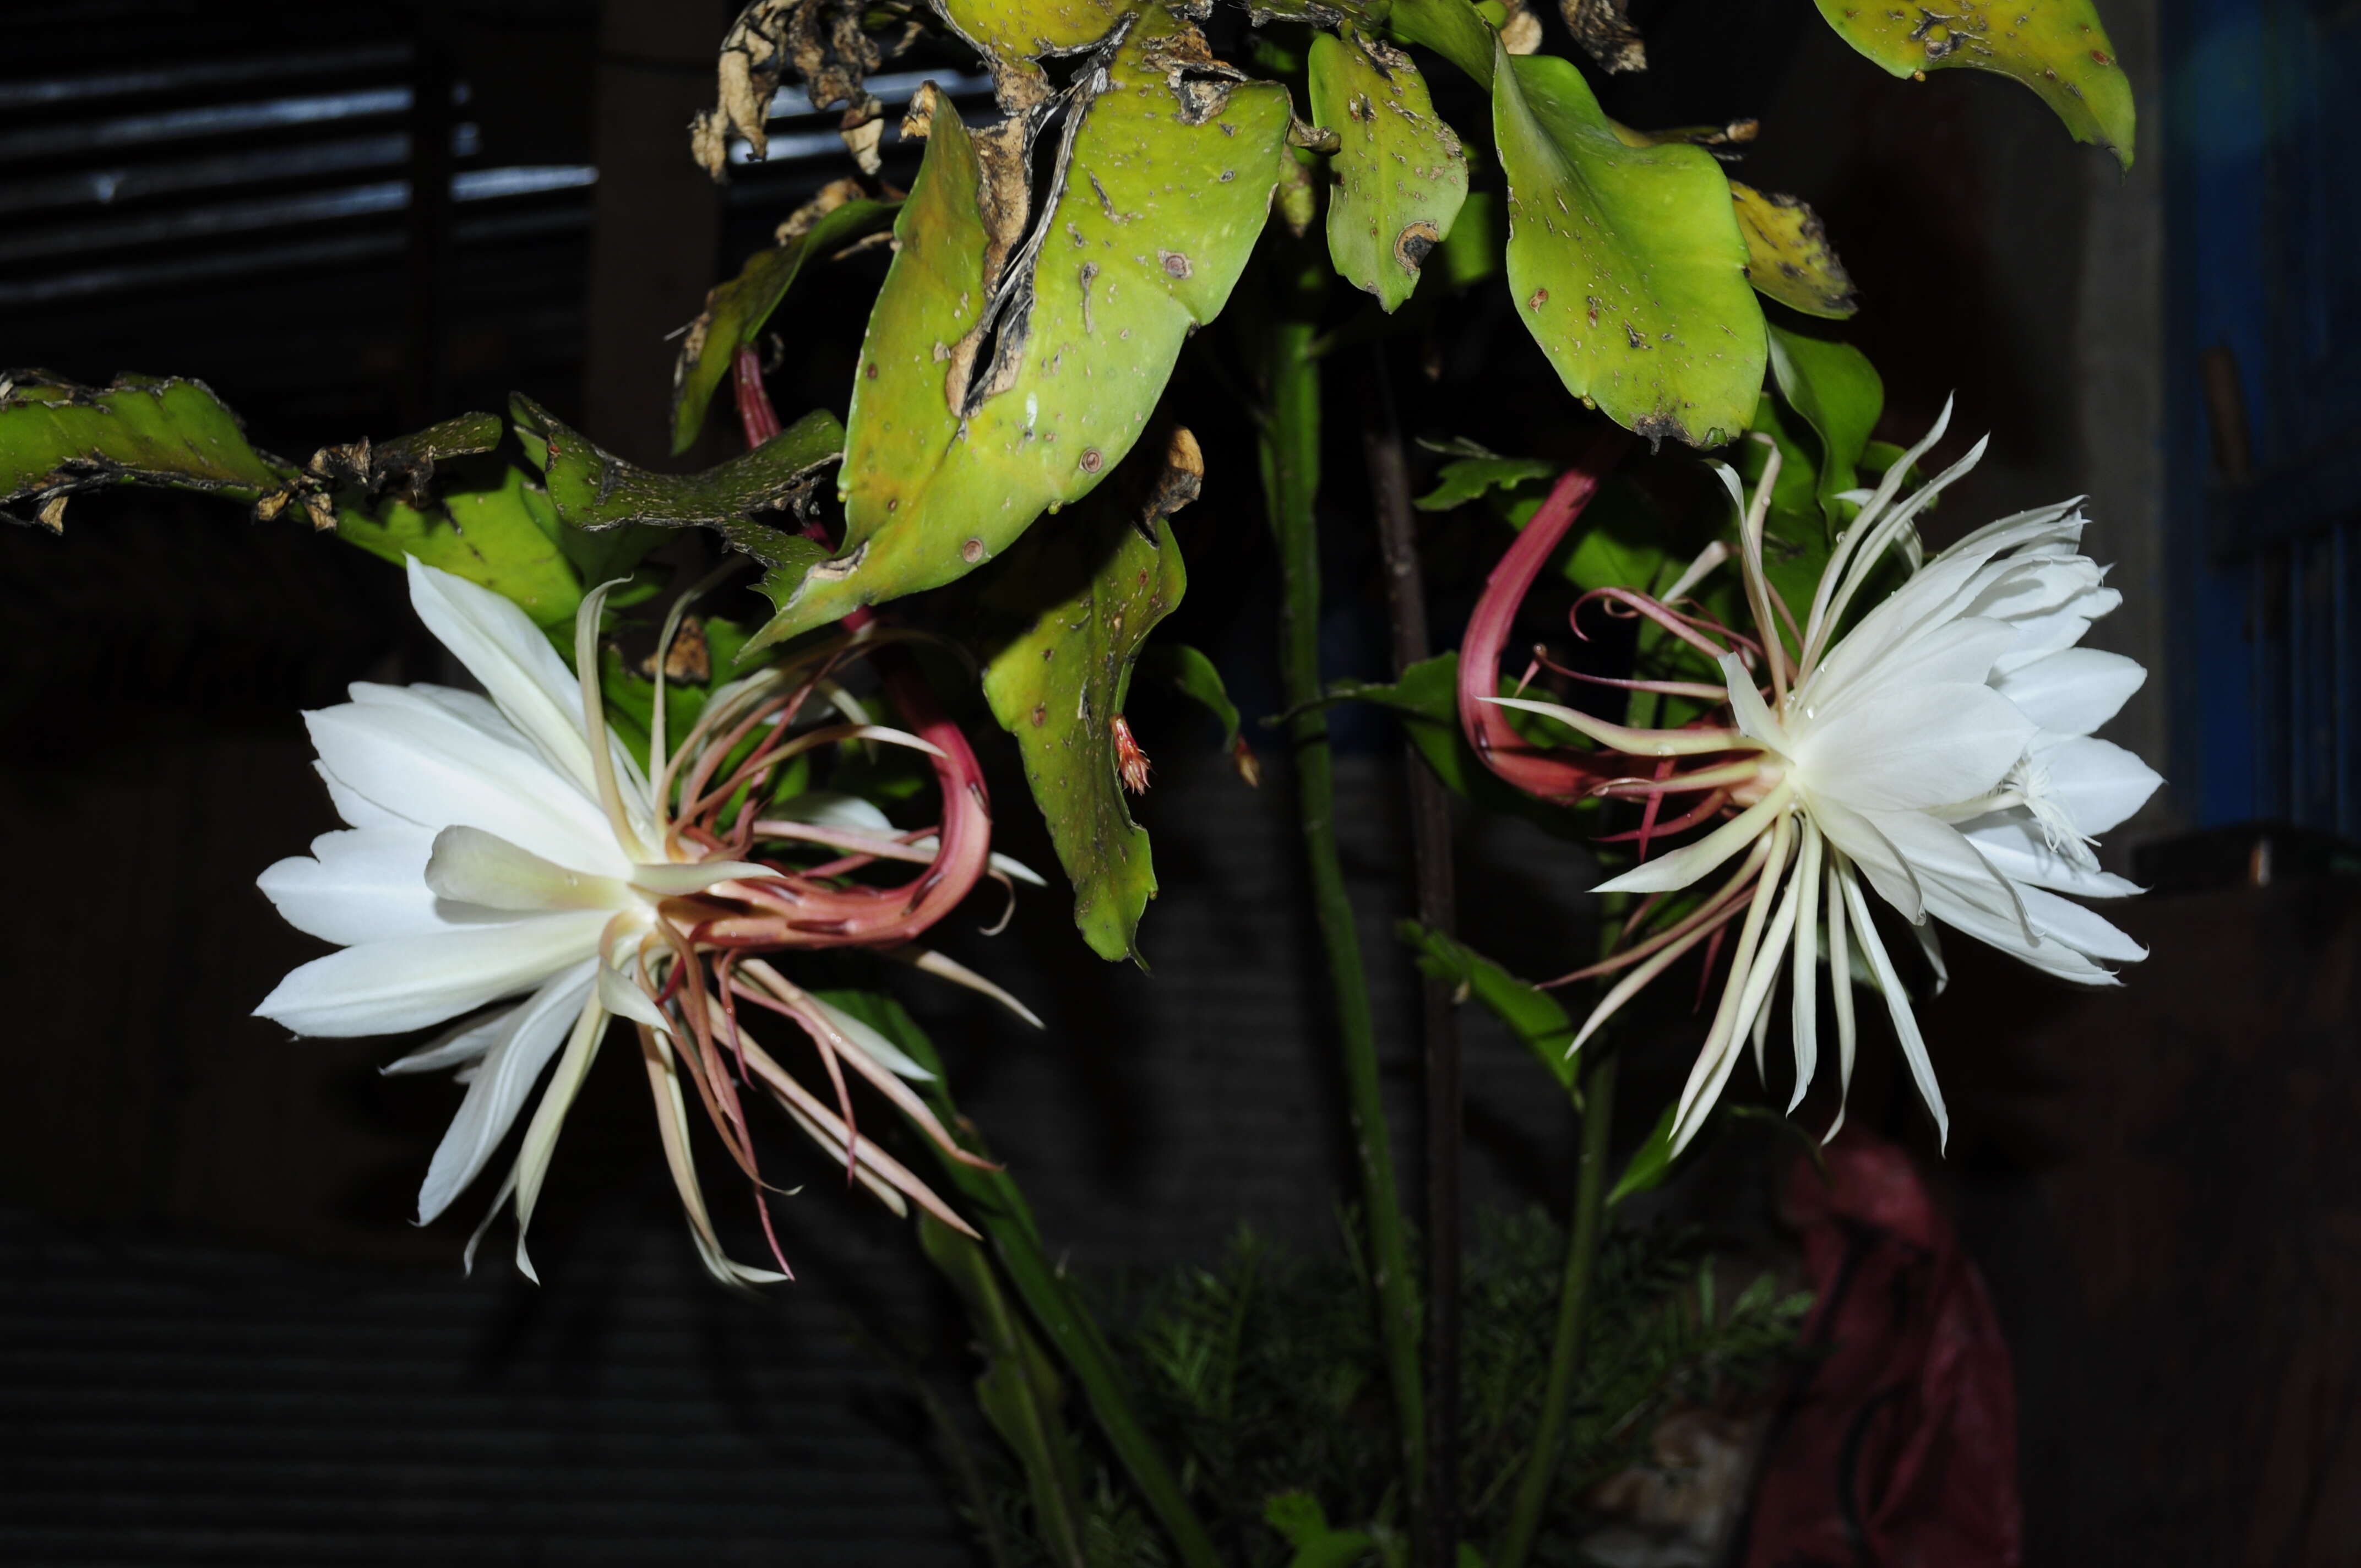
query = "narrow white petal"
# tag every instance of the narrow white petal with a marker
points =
(958, 973)
(1753, 1003)
(1948, 869)
(1804, 1022)
(619, 995)
(2017, 848)
(1898, 1007)
(1930, 944)
(1889, 526)
(1730, 1021)
(1746, 709)
(1861, 841)
(672, 1127)
(462, 1043)
(2007, 934)
(1840, 988)
(363, 885)
(2081, 929)
(549, 1120)
(1687, 863)
(1622, 736)
(527, 1038)
(386, 988)
(1014, 868)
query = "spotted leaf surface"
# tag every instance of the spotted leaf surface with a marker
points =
(2055, 47)
(57, 439)
(1075, 600)
(1626, 263)
(965, 426)
(743, 500)
(1400, 177)
(1788, 257)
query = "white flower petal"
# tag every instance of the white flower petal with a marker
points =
(473, 710)
(1746, 709)
(513, 660)
(358, 809)
(1950, 872)
(1687, 863)
(2007, 933)
(1897, 1007)
(363, 885)
(462, 1043)
(2081, 929)
(623, 998)
(1862, 842)
(471, 866)
(2018, 850)
(527, 1038)
(1913, 749)
(2074, 690)
(434, 768)
(388, 988)
(2097, 781)
(1952, 653)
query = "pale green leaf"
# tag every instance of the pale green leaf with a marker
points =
(966, 424)
(1399, 174)
(1626, 263)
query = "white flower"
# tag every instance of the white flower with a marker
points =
(506, 846)
(1939, 752)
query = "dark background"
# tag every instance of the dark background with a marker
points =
(222, 1341)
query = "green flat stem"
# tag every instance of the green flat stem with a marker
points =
(1566, 1344)
(999, 1205)
(1291, 477)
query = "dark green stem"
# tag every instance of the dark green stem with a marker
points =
(1566, 1346)
(998, 1205)
(1291, 477)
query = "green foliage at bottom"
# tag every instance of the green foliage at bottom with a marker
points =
(1264, 1378)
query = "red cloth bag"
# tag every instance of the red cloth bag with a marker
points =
(1897, 1447)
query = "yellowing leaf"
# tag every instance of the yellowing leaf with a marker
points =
(1788, 257)
(1626, 263)
(1025, 29)
(2055, 47)
(964, 427)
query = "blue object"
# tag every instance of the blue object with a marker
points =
(2264, 409)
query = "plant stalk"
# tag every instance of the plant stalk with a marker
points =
(1430, 826)
(1006, 1219)
(1566, 1344)
(1291, 477)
